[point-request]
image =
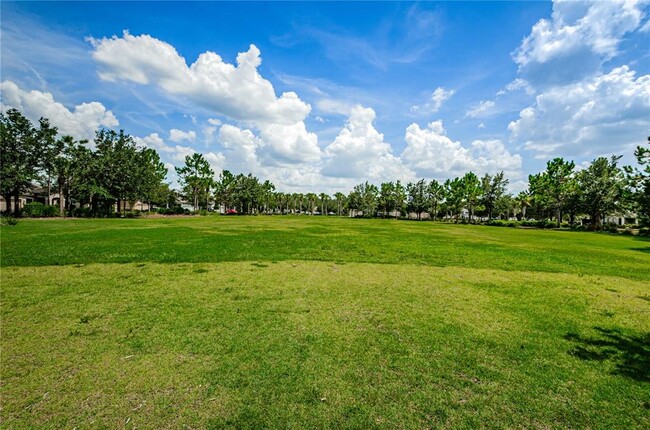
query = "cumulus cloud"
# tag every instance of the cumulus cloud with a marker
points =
(606, 114)
(176, 153)
(81, 122)
(431, 153)
(176, 135)
(359, 151)
(481, 109)
(577, 39)
(236, 91)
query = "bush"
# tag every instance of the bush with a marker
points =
(82, 212)
(203, 212)
(37, 210)
(176, 210)
(645, 231)
(8, 220)
(502, 223)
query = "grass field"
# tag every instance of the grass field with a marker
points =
(301, 322)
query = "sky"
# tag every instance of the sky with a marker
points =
(321, 96)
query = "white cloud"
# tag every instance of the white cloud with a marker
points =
(236, 91)
(240, 147)
(575, 42)
(516, 85)
(481, 125)
(176, 153)
(438, 97)
(176, 135)
(81, 122)
(214, 121)
(431, 153)
(481, 109)
(359, 151)
(602, 115)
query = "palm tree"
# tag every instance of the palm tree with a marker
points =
(340, 197)
(324, 198)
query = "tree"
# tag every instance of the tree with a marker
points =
(195, 177)
(367, 195)
(340, 202)
(21, 150)
(417, 197)
(639, 181)
(602, 187)
(472, 191)
(492, 188)
(552, 188)
(386, 201)
(151, 174)
(51, 149)
(455, 196)
(119, 166)
(400, 198)
(435, 195)
(324, 200)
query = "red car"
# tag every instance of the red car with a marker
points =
(231, 212)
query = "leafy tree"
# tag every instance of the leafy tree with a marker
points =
(21, 154)
(400, 198)
(195, 177)
(602, 187)
(455, 196)
(417, 197)
(367, 194)
(639, 181)
(472, 191)
(151, 173)
(552, 188)
(435, 195)
(492, 188)
(387, 198)
(119, 166)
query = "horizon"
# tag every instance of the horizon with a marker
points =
(314, 98)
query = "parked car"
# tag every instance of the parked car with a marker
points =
(231, 212)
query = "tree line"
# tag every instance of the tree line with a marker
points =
(117, 170)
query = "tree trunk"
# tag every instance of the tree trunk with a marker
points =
(60, 200)
(49, 190)
(17, 202)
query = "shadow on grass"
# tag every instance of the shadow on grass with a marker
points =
(630, 354)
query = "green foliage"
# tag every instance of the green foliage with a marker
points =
(8, 220)
(37, 210)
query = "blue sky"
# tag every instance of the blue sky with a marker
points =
(321, 96)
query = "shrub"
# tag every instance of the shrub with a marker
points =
(8, 220)
(644, 231)
(37, 210)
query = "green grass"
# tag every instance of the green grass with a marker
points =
(300, 322)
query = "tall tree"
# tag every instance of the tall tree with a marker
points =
(639, 180)
(417, 197)
(602, 186)
(552, 188)
(340, 202)
(21, 151)
(492, 188)
(472, 190)
(194, 177)
(435, 195)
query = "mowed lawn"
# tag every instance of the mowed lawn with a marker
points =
(321, 322)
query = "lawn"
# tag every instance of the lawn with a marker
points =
(316, 322)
